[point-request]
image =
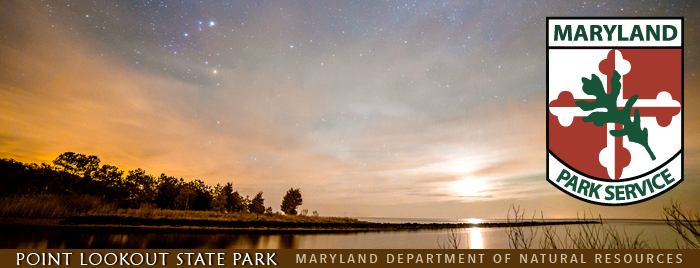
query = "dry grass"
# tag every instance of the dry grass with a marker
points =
(685, 224)
(584, 236)
(52, 206)
(452, 240)
(149, 212)
(57, 206)
(520, 236)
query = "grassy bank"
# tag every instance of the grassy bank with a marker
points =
(53, 206)
(91, 211)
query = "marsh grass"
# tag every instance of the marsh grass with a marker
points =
(149, 212)
(685, 224)
(520, 236)
(590, 235)
(59, 206)
(453, 239)
(52, 206)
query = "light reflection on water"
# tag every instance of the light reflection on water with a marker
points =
(476, 238)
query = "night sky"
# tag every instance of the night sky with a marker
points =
(372, 108)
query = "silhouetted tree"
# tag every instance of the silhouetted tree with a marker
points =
(291, 201)
(111, 180)
(224, 198)
(246, 203)
(227, 192)
(77, 164)
(79, 174)
(257, 205)
(46, 179)
(237, 203)
(186, 196)
(12, 177)
(203, 196)
(18, 178)
(141, 187)
(167, 190)
(218, 203)
(76, 173)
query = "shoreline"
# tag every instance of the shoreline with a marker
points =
(121, 223)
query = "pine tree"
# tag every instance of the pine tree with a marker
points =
(257, 205)
(291, 201)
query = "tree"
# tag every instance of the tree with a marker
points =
(111, 179)
(291, 201)
(203, 196)
(257, 205)
(167, 191)
(218, 203)
(77, 164)
(236, 202)
(77, 173)
(184, 200)
(18, 178)
(142, 187)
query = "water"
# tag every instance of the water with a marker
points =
(72, 237)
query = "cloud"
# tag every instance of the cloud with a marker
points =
(433, 110)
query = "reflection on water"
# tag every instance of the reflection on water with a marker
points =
(475, 240)
(72, 237)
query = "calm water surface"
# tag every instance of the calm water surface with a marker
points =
(70, 237)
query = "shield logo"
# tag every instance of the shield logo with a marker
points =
(614, 107)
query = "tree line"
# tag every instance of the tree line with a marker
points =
(78, 174)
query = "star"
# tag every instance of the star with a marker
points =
(395, 88)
